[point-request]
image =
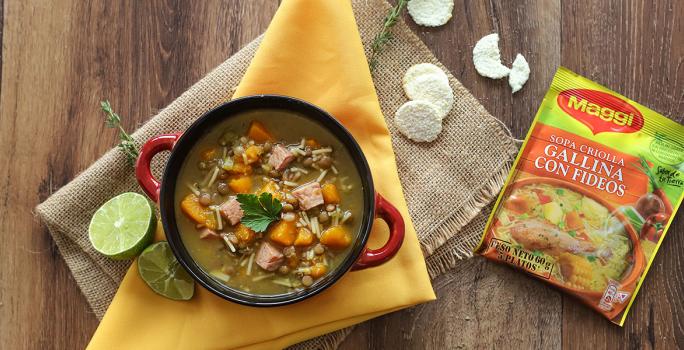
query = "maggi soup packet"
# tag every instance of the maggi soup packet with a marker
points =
(591, 194)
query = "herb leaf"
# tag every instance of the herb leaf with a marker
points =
(385, 35)
(259, 211)
(127, 144)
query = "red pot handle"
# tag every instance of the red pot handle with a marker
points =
(375, 257)
(149, 184)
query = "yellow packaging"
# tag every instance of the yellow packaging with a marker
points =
(591, 195)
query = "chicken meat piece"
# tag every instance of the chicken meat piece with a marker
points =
(539, 235)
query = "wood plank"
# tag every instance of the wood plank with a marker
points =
(2, 12)
(33, 284)
(59, 61)
(635, 48)
(481, 304)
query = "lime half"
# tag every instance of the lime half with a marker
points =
(123, 226)
(161, 271)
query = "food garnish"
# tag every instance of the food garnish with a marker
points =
(487, 61)
(520, 72)
(161, 271)
(123, 226)
(423, 69)
(385, 34)
(419, 121)
(259, 211)
(126, 142)
(434, 89)
(487, 58)
(428, 86)
(430, 13)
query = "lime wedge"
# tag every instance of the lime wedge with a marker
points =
(161, 271)
(123, 226)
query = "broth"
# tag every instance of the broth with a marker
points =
(296, 161)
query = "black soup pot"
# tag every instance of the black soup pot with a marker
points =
(180, 144)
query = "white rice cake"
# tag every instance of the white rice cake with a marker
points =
(430, 13)
(423, 69)
(432, 88)
(520, 72)
(419, 121)
(487, 58)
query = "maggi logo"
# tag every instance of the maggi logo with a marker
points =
(600, 111)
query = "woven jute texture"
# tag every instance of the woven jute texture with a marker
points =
(446, 182)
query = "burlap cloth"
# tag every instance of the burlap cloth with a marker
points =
(446, 182)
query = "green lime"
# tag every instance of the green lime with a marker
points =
(161, 271)
(123, 226)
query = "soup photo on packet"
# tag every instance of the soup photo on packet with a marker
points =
(586, 243)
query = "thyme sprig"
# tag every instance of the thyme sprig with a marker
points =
(126, 142)
(385, 35)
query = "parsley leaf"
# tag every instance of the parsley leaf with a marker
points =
(259, 211)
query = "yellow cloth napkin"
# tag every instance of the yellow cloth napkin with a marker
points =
(312, 50)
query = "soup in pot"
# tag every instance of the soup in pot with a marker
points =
(269, 202)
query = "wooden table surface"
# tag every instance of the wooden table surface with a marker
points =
(60, 58)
